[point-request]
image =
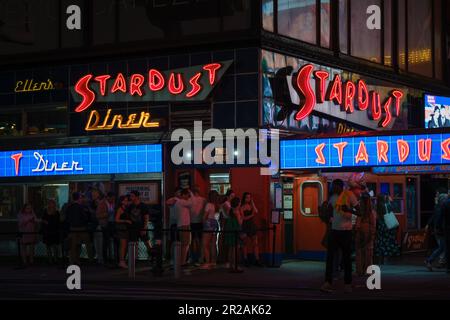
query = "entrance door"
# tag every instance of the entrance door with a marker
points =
(412, 209)
(310, 192)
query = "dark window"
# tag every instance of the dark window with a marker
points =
(52, 121)
(11, 124)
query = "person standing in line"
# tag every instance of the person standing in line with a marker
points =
(51, 227)
(173, 237)
(386, 243)
(77, 216)
(101, 213)
(249, 228)
(139, 214)
(436, 224)
(210, 226)
(231, 237)
(222, 256)
(183, 207)
(344, 207)
(122, 223)
(111, 245)
(436, 121)
(28, 224)
(197, 211)
(365, 235)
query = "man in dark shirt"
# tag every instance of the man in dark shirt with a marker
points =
(139, 214)
(77, 218)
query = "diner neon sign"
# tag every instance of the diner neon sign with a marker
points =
(366, 151)
(350, 96)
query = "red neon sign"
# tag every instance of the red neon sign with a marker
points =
(344, 95)
(16, 157)
(175, 83)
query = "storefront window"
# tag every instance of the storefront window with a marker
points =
(11, 201)
(11, 124)
(387, 23)
(297, 19)
(325, 23)
(343, 26)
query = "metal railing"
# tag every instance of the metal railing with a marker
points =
(10, 239)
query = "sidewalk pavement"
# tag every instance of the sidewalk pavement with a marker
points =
(293, 280)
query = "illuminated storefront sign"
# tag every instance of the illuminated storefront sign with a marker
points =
(31, 85)
(81, 161)
(187, 84)
(411, 169)
(407, 150)
(349, 96)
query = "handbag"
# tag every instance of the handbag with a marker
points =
(390, 220)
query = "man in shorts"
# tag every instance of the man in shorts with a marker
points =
(183, 213)
(139, 215)
(198, 205)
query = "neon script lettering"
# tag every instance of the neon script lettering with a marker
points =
(349, 96)
(136, 85)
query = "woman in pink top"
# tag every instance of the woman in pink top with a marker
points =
(28, 223)
(365, 235)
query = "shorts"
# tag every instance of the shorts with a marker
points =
(196, 230)
(174, 233)
(211, 225)
(184, 236)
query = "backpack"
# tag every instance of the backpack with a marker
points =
(326, 212)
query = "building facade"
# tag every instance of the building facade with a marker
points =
(108, 96)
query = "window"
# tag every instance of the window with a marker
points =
(297, 19)
(311, 195)
(365, 43)
(220, 182)
(397, 198)
(267, 10)
(47, 121)
(420, 37)
(11, 124)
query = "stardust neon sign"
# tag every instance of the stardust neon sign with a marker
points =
(350, 152)
(90, 86)
(350, 96)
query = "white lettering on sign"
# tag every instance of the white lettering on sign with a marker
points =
(73, 22)
(44, 165)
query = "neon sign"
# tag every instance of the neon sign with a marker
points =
(30, 85)
(407, 150)
(350, 96)
(134, 121)
(82, 161)
(182, 84)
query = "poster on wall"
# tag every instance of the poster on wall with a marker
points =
(437, 112)
(184, 180)
(149, 191)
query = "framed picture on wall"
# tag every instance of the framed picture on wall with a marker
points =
(149, 191)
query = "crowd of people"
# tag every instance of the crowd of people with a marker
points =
(359, 223)
(103, 225)
(356, 223)
(216, 229)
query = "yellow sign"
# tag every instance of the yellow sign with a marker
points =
(30, 85)
(117, 121)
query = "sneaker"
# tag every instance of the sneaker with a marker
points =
(348, 288)
(327, 288)
(428, 265)
(123, 265)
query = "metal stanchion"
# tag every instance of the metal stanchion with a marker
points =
(132, 260)
(177, 259)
